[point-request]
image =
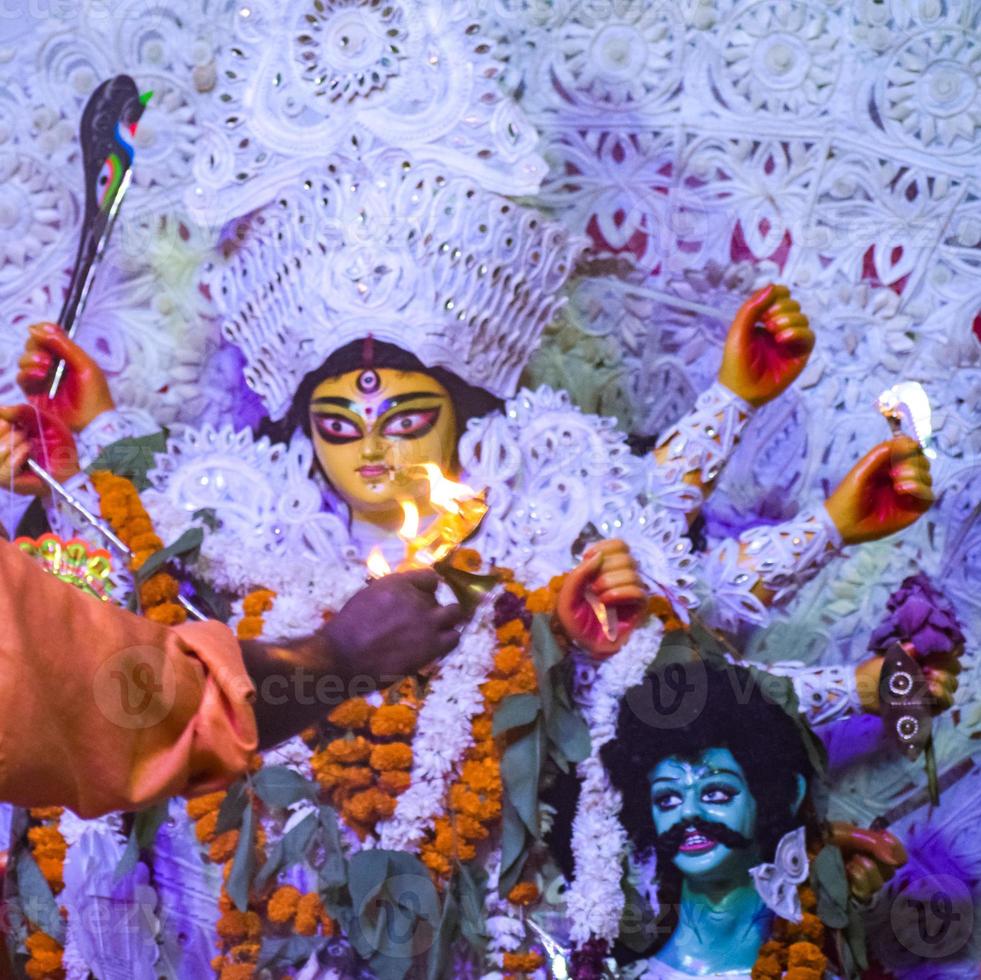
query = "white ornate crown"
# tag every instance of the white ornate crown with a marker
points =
(368, 145)
(405, 251)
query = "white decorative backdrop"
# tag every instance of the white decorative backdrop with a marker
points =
(705, 146)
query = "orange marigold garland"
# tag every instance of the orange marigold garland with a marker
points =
(793, 951)
(120, 505)
(474, 799)
(48, 848)
(364, 771)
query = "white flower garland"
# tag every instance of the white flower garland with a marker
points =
(443, 732)
(594, 899)
(505, 928)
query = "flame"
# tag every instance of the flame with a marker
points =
(445, 493)
(410, 523)
(459, 511)
(377, 566)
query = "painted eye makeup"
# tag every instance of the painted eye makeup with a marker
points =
(719, 793)
(336, 429)
(666, 800)
(411, 424)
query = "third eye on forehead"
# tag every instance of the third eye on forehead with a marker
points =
(367, 409)
(691, 771)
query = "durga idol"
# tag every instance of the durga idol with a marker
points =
(385, 309)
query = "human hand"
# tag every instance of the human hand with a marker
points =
(29, 433)
(84, 392)
(939, 669)
(606, 582)
(871, 857)
(767, 346)
(884, 492)
(394, 626)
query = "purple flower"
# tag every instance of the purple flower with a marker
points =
(507, 607)
(587, 960)
(920, 615)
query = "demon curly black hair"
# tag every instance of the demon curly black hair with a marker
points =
(725, 708)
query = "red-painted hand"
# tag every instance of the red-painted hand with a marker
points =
(83, 393)
(608, 576)
(767, 346)
(885, 491)
(23, 437)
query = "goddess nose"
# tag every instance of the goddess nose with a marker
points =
(374, 448)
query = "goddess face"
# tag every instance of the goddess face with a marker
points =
(704, 815)
(371, 429)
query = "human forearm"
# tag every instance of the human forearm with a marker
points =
(297, 684)
(104, 710)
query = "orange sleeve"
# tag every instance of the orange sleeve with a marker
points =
(102, 710)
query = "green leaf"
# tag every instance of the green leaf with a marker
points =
(682, 647)
(292, 951)
(366, 874)
(186, 545)
(855, 937)
(275, 860)
(386, 967)
(395, 908)
(208, 516)
(333, 872)
(638, 923)
(415, 892)
(281, 786)
(243, 863)
(515, 711)
(471, 883)
(146, 825)
(521, 767)
(831, 885)
(546, 655)
(568, 734)
(930, 763)
(447, 930)
(36, 898)
(515, 845)
(131, 457)
(288, 850)
(297, 840)
(216, 604)
(232, 807)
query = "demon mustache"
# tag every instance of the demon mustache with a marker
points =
(669, 843)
